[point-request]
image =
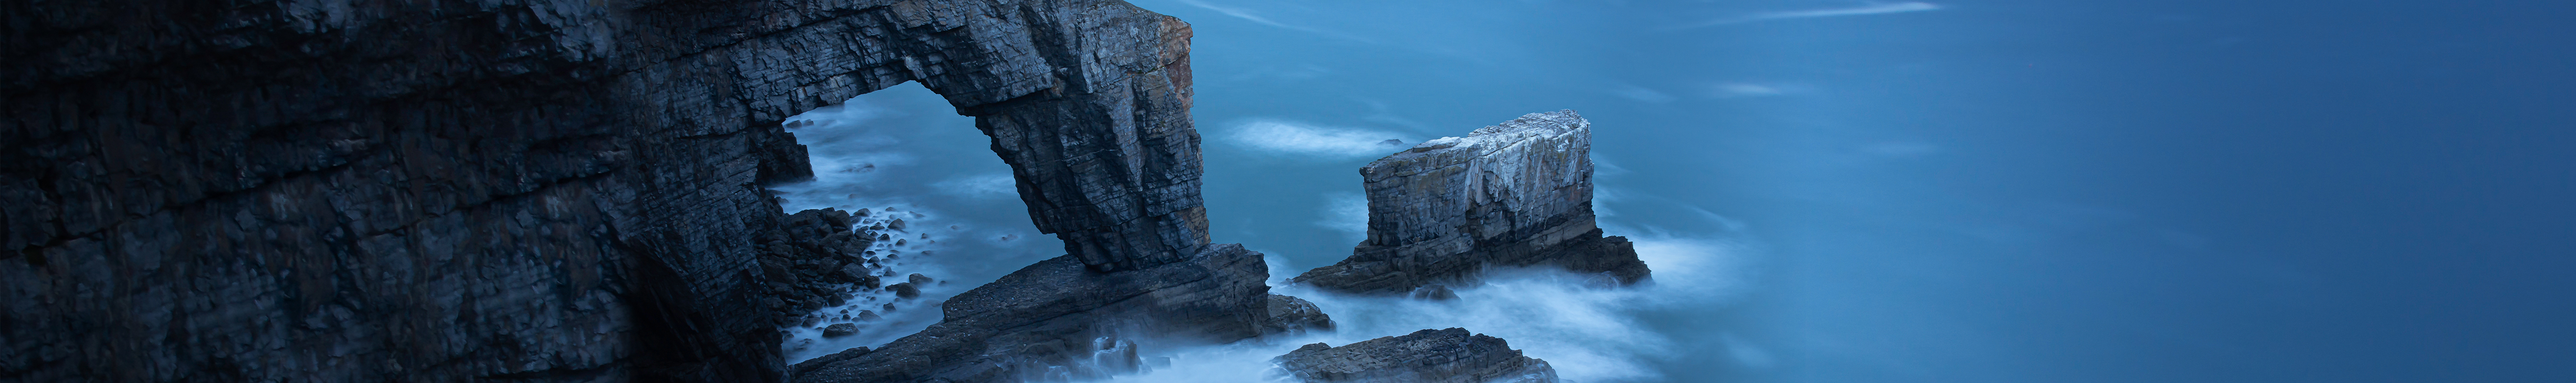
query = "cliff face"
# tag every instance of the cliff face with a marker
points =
(1515, 194)
(529, 190)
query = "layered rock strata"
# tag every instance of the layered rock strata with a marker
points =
(1517, 194)
(518, 190)
(1057, 320)
(1428, 356)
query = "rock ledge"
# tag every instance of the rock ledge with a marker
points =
(1428, 356)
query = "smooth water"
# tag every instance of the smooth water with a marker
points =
(1939, 191)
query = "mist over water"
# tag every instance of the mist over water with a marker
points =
(1584, 326)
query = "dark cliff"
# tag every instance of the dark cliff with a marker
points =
(518, 190)
(1511, 195)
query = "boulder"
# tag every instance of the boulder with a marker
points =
(1292, 315)
(837, 330)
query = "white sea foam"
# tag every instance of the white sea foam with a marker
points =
(1587, 331)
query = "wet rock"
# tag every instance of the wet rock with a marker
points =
(1428, 356)
(1517, 194)
(1054, 312)
(837, 330)
(856, 273)
(817, 362)
(916, 279)
(1292, 315)
(904, 290)
(809, 257)
(1433, 292)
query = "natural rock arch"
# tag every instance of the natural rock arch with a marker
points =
(1087, 101)
(537, 190)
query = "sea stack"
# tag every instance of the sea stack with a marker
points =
(1518, 194)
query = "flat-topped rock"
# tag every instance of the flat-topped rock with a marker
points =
(1428, 356)
(1518, 194)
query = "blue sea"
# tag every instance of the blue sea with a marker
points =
(1847, 191)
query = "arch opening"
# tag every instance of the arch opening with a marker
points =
(899, 155)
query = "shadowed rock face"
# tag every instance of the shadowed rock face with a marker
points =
(524, 190)
(1428, 356)
(1515, 194)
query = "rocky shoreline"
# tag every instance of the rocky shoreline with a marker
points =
(575, 191)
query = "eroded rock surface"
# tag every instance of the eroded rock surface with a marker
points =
(1289, 315)
(516, 190)
(1428, 356)
(1515, 194)
(1054, 320)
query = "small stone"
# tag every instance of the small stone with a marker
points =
(905, 290)
(917, 279)
(837, 330)
(1292, 315)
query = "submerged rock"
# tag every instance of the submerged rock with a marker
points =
(1433, 292)
(904, 290)
(1510, 195)
(1428, 356)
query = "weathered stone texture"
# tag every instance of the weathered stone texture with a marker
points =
(524, 190)
(1428, 356)
(1049, 322)
(1292, 315)
(1515, 194)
